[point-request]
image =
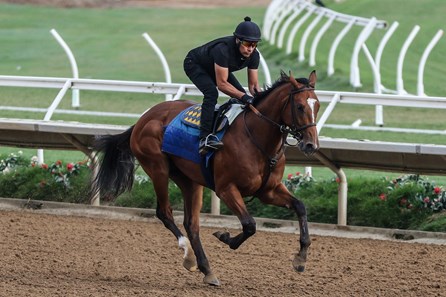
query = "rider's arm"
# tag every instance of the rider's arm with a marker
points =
(253, 81)
(221, 77)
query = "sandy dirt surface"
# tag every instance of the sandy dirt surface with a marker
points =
(53, 255)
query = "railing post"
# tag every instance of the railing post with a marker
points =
(75, 101)
(295, 28)
(50, 112)
(265, 69)
(163, 61)
(355, 79)
(381, 47)
(334, 46)
(307, 33)
(399, 71)
(317, 38)
(95, 200)
(287, 23)
(430, 46)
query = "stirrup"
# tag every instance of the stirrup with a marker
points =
(211, 142)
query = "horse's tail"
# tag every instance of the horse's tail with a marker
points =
(116, 165)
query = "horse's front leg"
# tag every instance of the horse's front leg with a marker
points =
(235, 203)
(301, 258)
(280, 196)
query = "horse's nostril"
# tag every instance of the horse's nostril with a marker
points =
(308, 148)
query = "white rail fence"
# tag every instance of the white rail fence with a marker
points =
(281, 15)
(176, 90)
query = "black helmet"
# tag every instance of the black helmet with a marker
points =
(248, 31)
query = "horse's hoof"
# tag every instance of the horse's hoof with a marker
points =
(190, 264)
(299, 264)
(300, 268)
(212, 280)
(222, 236)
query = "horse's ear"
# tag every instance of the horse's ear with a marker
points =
(313, 78)
(294, 82)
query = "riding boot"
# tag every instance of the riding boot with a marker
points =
(208, 140)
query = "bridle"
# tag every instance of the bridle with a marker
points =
(294, 130)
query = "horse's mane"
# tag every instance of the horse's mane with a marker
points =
(283, 79)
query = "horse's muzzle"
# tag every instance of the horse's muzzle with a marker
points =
(308, 148)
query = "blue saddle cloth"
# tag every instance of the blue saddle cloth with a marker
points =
(181, 136)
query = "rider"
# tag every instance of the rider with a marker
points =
(210, 68)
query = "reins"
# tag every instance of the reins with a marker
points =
(294, 130)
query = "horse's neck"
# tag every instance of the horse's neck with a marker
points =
(272, 105)
(266, 133)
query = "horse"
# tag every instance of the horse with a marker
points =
(254, 145)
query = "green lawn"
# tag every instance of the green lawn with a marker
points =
(107, 44)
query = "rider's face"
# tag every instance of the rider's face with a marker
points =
(247, 48)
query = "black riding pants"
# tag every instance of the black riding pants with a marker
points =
(207, 85)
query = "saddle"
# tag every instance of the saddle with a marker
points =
(224, 115)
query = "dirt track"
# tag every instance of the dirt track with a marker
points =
(49, 255)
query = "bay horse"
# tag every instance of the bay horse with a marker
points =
(251, 163)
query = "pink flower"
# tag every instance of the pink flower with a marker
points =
(382, 196)
(338, 180)
(426, 200)
(44, 166)
(290, 176)
(298, 173)
(70, 166)
(58, 162)
(437, 190)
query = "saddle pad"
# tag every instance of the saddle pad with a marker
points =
(181, 139)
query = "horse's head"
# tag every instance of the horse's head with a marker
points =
(292, 105)
(299, 112)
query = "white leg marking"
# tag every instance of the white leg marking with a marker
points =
(183, 243)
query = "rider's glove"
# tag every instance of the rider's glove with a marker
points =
(247, 99)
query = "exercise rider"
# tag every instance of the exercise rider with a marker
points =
(210, 68)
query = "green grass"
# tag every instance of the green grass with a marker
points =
(107, 44)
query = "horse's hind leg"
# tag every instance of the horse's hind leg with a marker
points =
(280, 196)
(193, 201)
(159, 173)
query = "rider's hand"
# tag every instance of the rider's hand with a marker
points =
(247, 99)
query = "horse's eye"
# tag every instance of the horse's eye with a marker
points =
(300, 107)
